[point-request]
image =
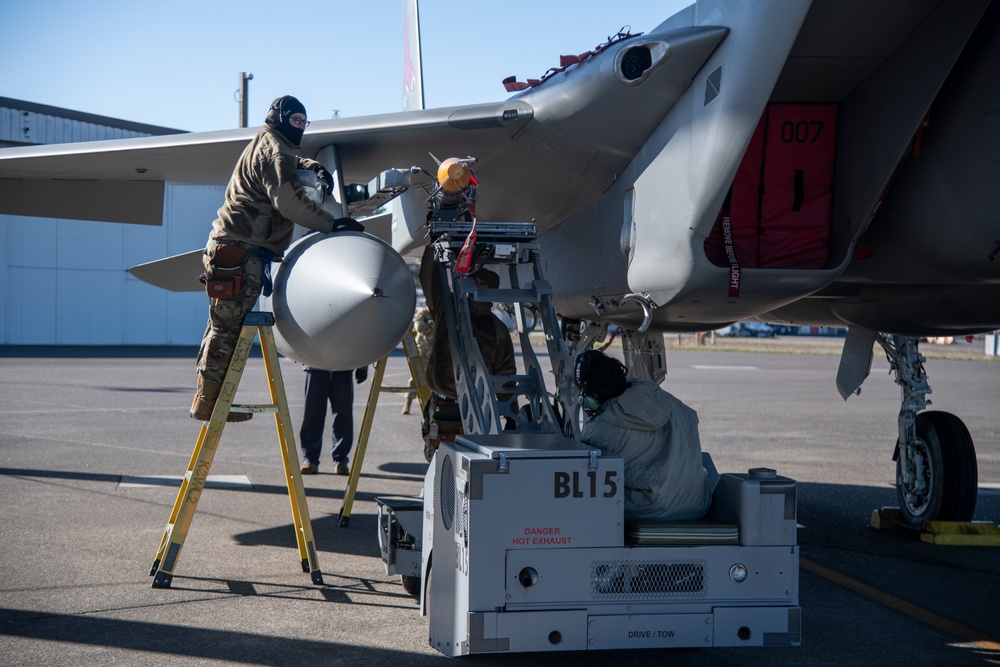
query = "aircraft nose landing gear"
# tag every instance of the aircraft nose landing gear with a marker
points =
(938, 480)
(936, 471)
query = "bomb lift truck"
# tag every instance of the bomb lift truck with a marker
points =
(519, 541)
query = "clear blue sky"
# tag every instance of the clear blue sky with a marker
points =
(177, 64)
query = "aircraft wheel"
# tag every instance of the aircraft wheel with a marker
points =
(411, 585)
(944, 471)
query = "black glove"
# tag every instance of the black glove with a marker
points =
(347, 225)
(361, 374)
(325, 176)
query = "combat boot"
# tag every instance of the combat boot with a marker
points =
(205, 397)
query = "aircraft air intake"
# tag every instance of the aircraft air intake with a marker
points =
(635, 62)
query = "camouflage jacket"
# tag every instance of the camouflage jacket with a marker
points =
(422, 328)
(491, 334)
(264, 198)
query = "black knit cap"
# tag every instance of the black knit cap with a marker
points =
(277, 117)
(601, 376)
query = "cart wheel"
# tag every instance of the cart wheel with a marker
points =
(411, 585)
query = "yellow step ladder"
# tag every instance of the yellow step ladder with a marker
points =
(254, 324)
(423, 392)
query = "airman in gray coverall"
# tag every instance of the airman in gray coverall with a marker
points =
(655, 434)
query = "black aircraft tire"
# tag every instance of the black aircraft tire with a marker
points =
(952, 474)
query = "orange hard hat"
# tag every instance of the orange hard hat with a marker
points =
(453, 176)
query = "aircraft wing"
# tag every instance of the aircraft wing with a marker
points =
(122, 180)
(541, 157)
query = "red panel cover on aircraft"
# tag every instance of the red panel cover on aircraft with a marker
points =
(778, 212)
(797, 180)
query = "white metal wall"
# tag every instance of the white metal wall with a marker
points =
(66, 282)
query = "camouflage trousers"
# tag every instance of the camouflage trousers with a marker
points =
(225, 316)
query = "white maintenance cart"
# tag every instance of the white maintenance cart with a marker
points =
(529, 551)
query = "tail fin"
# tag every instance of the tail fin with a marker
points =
(413, 74)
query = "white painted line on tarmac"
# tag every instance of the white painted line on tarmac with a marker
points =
(699, 367)
(66, 409)
(213, 481)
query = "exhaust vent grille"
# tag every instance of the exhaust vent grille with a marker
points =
(637, 580)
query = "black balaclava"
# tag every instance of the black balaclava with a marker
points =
(279, 113)
(601, 376)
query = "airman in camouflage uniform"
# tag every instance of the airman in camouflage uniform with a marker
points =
(250, 230)
(490, 332)
(492, 338)
(422, 327)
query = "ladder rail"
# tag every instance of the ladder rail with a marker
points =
(289, 459)
(419, 375)
(181, 493)
(362, 446)
(196, 475)
(417, 370)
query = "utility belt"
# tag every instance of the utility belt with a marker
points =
(442, 423)
(225, 272)
(444, 409)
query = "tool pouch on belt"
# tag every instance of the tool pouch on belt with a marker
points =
(442, 419)
(224, 278)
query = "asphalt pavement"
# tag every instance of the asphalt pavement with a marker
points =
(93, 443)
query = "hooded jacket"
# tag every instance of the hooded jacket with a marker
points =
(657, 436)
(264, 197)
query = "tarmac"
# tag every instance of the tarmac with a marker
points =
(93, 442)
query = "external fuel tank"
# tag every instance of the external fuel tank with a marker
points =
(341, 300)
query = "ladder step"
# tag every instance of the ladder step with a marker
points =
(263, 407)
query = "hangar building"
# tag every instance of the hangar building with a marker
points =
(66, 282)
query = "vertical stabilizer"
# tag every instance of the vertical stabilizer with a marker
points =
(409, 210)
(413, 75)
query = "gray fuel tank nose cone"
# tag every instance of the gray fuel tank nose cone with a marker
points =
(341, 300)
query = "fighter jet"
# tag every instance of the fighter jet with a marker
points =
(827, 163)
